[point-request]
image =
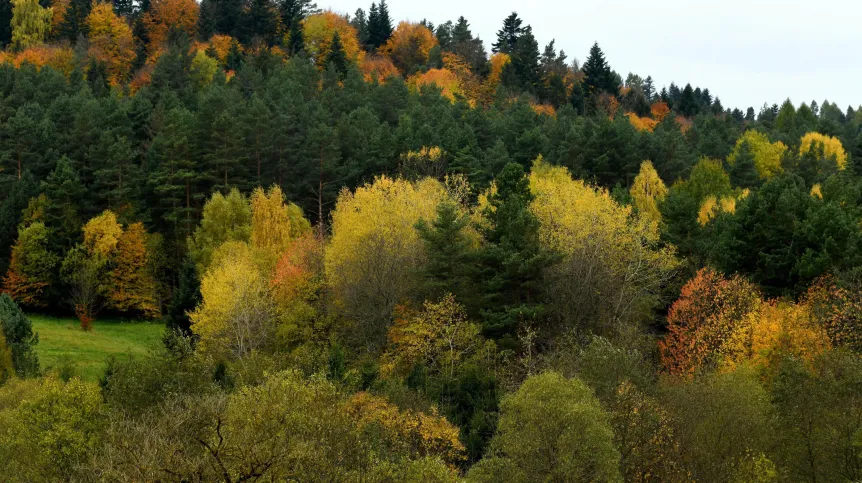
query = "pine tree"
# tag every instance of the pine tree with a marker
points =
(525, 64)
(687, 102)
(65, 192)
(259, 21)
(507, 37)
(379, 25)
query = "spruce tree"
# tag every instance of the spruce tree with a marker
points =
(65, 192)
(512, 261)
(449, 254)
(507, 37)
(336, 55)
(597, 72)
(525, 63)
(5, 22)
(185, 299)
(20, 338)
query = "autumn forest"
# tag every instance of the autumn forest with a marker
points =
(384, 251)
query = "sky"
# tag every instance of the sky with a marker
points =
(747, 52)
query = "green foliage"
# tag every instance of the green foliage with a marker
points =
(19, 336)
(30, 23)
(551, 429)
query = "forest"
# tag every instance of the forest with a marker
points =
(383, 251)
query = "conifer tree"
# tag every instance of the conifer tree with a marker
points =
(449, 251)
(20, 338)
(75, 20)
(336, 56)
(597, 72)
(507, 36)
(185, 299)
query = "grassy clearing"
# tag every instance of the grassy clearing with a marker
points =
(61, 338)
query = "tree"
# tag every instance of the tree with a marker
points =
(319, 32)
(111, 41)
(375, 250)
(132, 286)
(236, 315)
(84, 272)
(274, 223)
(225, 219)
(19, 337)
(336, 56)
(509, 273)
(379, 25)
(525, 64)
(831, 146)
(30, 23)
(166, 15)
(185, 299)
(767, 155)
(507, 36)
(550, 429)
(31, 268)
(703, 319)
(611, 269)
(449, 250)
(75, 22)
(598, 74)
(648, 191)
(409, 47)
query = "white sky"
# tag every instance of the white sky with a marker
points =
(746, 52)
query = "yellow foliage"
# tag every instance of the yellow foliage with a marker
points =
(498, 61)
(236, 314)
(417, 433)
(274, 223)
(111, 41)
(544, 110)
(62, 59)
(444, 79)
(102, 233)
(774, 330)
(648, 190)
(767, 155)
(816, 192)
(641, 123)
(165, 15)
(375, 249)
(319, 30)
(470, 83)
(711, 207)
(831, 147)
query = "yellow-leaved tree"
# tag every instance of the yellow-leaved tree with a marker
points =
(236, 315)
(111, 41)
(375, 250)
(225, 218)
(767, 155)
(832, 148)
(613, 265)
(274, 223)
(30, 23)
(648, 190)
(318, 31)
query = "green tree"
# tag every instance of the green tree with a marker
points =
(20, 338)
(74, 23)
(507, 36)
(598, 74)
(449, 251)
(511, 262)
(550, 429)
(336, 56)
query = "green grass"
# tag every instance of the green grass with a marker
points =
(61, 338)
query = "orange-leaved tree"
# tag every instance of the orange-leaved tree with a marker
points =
(165, 15)
(31, 267)
(410, 46)
(132, 286)
(710, 308)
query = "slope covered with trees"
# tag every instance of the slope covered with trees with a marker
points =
(383, 254)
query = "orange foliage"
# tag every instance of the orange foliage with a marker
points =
(838, 311)
(61, 59)
(417, 433)
(409, 46)
(608, 103)
(684, 123)
(544, 110)
(111, 42)
(141, 78)
(471, 84)
(59, 10)
(641, 123)
(445, 79)
(132, 286)
(708, 311)
(166, 14)
(498, 62)
(659, 110)
(297, 267)
(377, 67)
(222, 45)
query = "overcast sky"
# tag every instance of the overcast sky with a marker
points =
(746, 52)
